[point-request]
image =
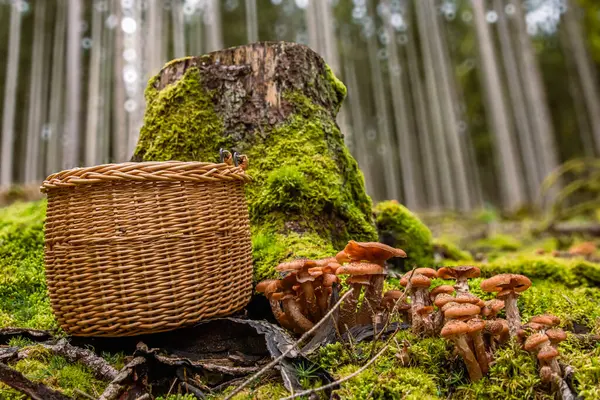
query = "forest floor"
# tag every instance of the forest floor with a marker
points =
(411, 368)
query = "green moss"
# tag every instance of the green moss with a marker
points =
(268, 391)
(570, 272)
(338, 86)
(399, 227)
(23, 298)
(586, 363)
(498, 242)
(55, 372)
(180, 122)
(451, 250)
(513, 375)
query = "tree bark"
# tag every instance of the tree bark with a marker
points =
(35, 391)
(276, 103)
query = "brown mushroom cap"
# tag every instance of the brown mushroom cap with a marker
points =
(535, 340)
(462, 310)
(447, 289)
(356, 268)
(506, 283)
(470, 298)
(361, 279)
(466, 271)
(262, 285)
(394, 294)
(476, 325)
(492, 307)
(583, 249)
(449, 305)
(454, 327)
(295, 265)
(325, 261)
(547, 353)
(494, 327)
(342, 257)
(442, 299)
(424, 310)
(371, 251)
(546, 320)
(428, 272)
(556, 335)
(545, 373)
(534, 326)
(416, 280)
(304, 276)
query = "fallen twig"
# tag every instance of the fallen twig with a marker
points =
(306, 335)
(101, 368)
(34, 390)
(340, 381)
(118, 385)
(32, 334)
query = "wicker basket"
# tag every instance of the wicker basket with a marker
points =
(139, 248)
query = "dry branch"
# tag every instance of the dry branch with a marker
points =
(306, 335)
(36, 391)
(102, 369)
(338, 382)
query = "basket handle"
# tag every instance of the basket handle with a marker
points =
(237, 159)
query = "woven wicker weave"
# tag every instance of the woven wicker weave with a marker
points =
(138, 248)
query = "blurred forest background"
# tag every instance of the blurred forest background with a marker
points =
(452, 104)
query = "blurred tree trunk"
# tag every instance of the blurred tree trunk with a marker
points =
(403, 133)
(517, 100)
(73, 88)
(119, 128)
(92, 138)
(212, 24)
(433, 103)
(10, 93)
(442, 70)
(585, 69)
(178, 23)
(536, 96)
(511, 184)
(251, 21)
(34, 118)
(427, 153)
(386, 147)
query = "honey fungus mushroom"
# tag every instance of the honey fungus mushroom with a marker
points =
(419, 294)
(305, 279)
(457, 331)
(357, 253)
(461, 275)
(509, 287)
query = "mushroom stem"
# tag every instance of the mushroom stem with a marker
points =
(322, 295)
(461, 285)
(311, 300)
(292, 309)
(371, 301)
(512, 314)
(480, 353)
(470, 361)
(348, 308)
(281, 317)
(419, 298)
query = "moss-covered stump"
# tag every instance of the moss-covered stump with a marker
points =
(399, 227)
(276, 103)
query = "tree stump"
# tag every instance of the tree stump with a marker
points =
(276, 102)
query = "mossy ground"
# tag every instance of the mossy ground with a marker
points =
(568, 288)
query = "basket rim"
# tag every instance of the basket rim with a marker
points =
(163, 171)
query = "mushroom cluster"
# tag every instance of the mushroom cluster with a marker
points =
(301, 297)
(541, 336)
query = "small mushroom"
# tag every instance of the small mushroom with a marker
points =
(460, 275)
(476, 327)
(583, 249)
(496, 331)
(546, 374)
(291, 307)
(419, 296)
(547, 357)
(300, 267)
(491, 308)
(509, 287)
(546, 320)
(347, 318)
(395, 301)
(462, 311)
(372, 253)
(456, 331)
(268, 287)
(446, 289)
